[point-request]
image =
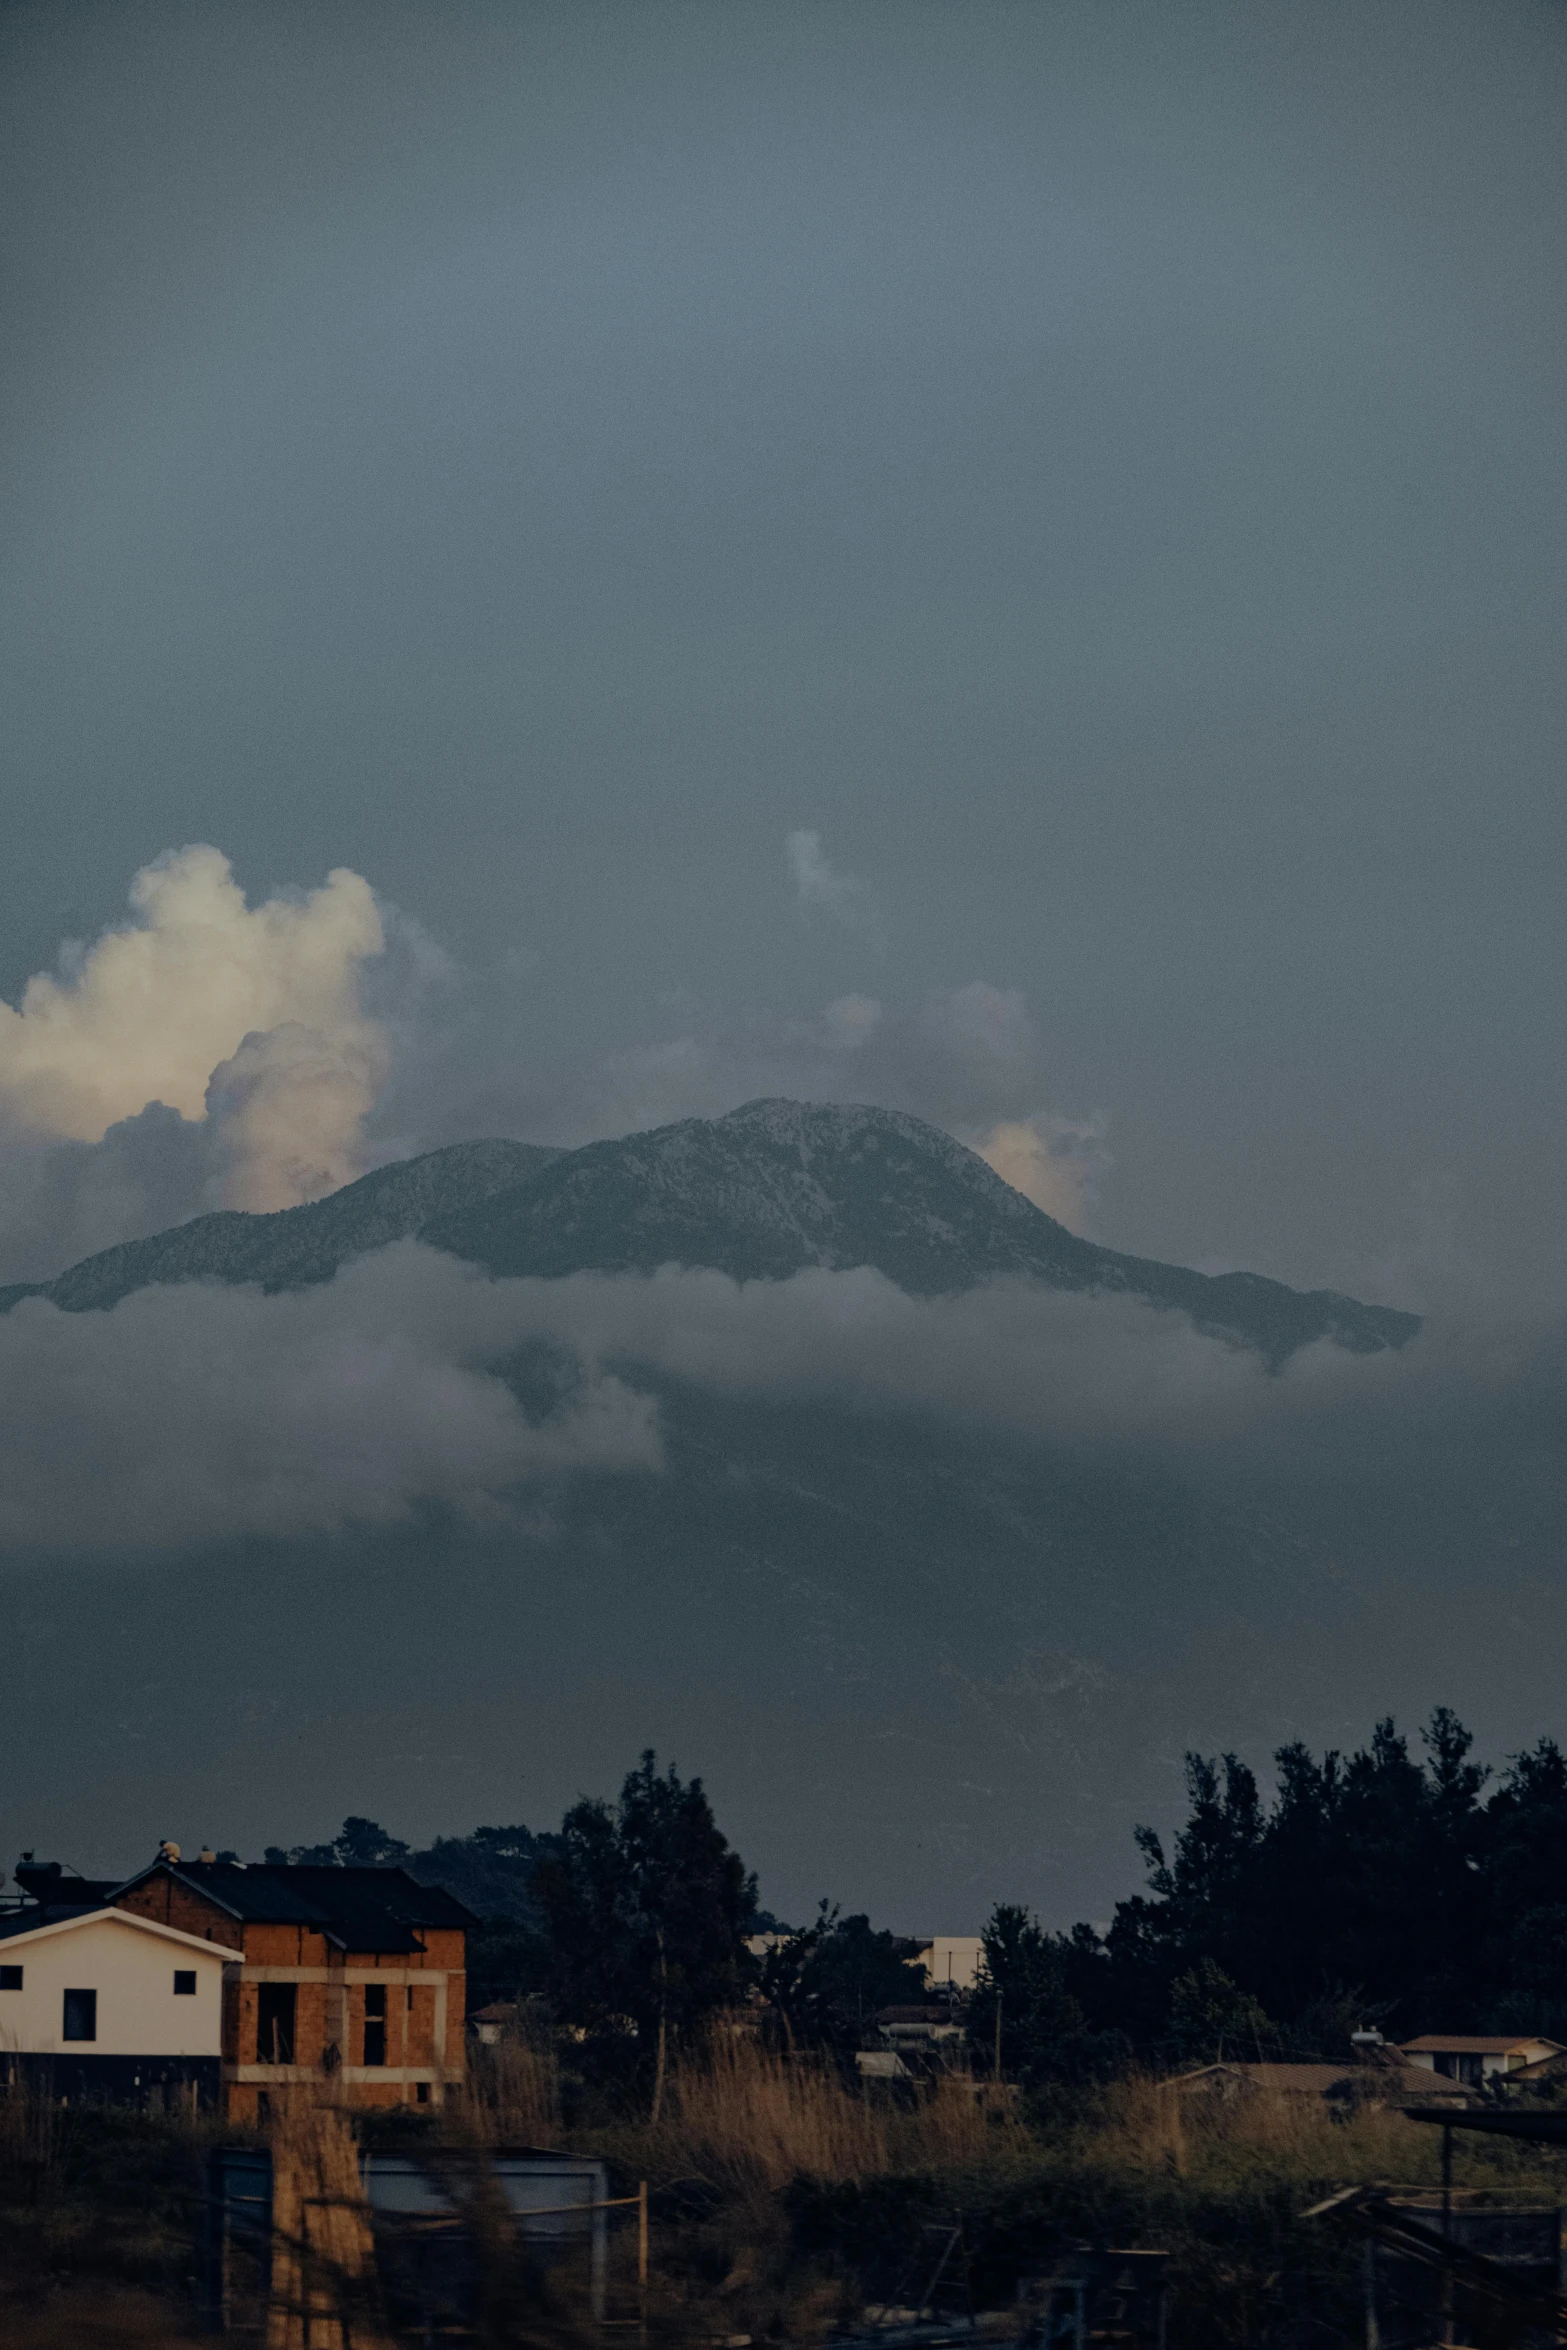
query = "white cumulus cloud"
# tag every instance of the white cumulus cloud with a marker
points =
(261, 1004)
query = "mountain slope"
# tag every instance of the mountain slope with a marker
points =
(767, 1191)
(777, 1186)
(297, 1245)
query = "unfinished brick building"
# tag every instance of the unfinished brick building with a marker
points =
(354, 1975)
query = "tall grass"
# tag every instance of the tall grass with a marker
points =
(1141, 2129)
(785, 2195)
(512, 2094)
(747, 2119)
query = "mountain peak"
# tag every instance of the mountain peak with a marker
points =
(768, 1190)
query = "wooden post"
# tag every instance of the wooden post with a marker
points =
(998, 2039)
(642, 2255)
(1447, 2230)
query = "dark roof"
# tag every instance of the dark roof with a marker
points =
(47, 1883)
(387, 1892)
(27, 1921)
(358, 1909)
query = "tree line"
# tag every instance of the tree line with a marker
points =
(1389, 1887)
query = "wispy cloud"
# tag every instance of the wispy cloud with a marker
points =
(822, 889)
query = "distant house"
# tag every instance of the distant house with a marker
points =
(1539, 2071)
(101, 2005)
(1342, 2084)
(356, 1974)
(909, 2040)
(1471, 2058)
(497, 2022)
(951, 1961)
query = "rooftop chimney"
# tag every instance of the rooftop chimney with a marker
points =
(168, 1851)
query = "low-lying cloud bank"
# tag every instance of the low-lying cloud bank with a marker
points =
(200, 1414)
(1111, 1374)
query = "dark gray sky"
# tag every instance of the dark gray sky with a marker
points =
(1101, 468)
(1007, 560)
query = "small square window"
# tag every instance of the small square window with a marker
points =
(10, 1978)
(184, 1982)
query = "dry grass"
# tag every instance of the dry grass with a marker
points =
(95, 2318)
(950, 2127)
(747, 2118)
(1141, 2129)
(1221, 2185)
(513, 2094)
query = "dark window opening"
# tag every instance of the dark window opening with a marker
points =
(275, 2023)
(375, 2023)
(10, 1978)
(263, 2105)
(81, 2016)
(184, 1982)
(422, 2092)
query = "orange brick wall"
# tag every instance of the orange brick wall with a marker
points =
(410, 2019)
(421, 2024)
(287, 1946)
(177, 1905)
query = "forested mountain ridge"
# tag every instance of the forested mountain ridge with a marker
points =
(769, 1190)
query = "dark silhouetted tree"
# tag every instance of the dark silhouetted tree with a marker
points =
(646, 1911)
(828, 1982)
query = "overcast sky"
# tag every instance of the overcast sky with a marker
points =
(565, 566)
(1099, 469)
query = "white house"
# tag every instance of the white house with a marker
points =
(112, 2006)
(1474, 2057)
(951, 1961)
